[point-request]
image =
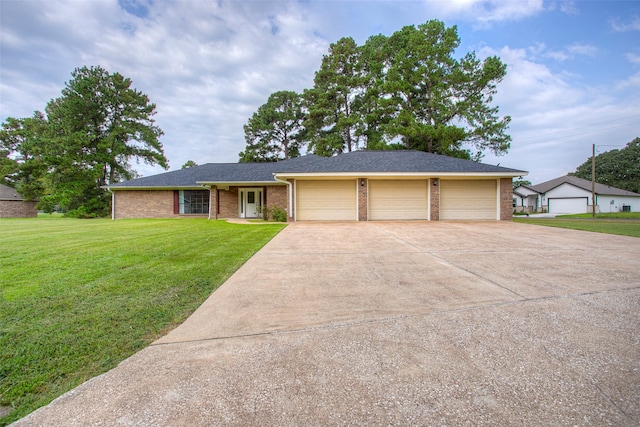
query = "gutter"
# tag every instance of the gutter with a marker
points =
(401, 175)
(290, 185)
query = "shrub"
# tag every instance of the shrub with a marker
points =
(278, 214)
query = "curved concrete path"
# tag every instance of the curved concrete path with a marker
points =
(394, 324)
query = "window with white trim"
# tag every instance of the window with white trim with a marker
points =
(193, 202)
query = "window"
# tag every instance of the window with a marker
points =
(193, 202)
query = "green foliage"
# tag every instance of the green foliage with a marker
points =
(23, 154)
(520, 182)
(617, 168)
(333, 117)
(406, 91)
(189, 164)
(436, 103)
(66, 318)
(89, 138)
(274, 131)
(278, 214)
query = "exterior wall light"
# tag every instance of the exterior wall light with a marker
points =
(435, 182)
(362, 182)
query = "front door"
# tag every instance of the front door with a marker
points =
(250, 202)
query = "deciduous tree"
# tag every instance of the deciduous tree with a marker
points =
(617, 168)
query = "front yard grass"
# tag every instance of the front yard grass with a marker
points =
(79, 296)
(622, 227)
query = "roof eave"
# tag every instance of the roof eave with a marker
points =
(284, 175)
(154, 187)
(244, 183)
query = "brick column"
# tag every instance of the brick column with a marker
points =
(434, 185)
(506, 199)
(362, 199)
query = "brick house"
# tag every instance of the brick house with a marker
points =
(12, 205)
(356, 186)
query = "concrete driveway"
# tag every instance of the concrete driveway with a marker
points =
(395, 324)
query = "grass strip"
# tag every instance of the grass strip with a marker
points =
(622, 227)
(79, 296)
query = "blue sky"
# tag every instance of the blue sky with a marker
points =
(573, 75)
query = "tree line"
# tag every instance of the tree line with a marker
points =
(85, 140)
(619, 168)
(404, 91)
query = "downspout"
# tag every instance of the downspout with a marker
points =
(208, 187)
(113, 204)
(290, 213)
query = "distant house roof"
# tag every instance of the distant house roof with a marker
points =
(8, 193)
(600, 189)
(362, 162)
(519, 193)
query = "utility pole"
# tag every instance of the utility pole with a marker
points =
(593, 181)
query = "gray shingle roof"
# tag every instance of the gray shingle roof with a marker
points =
(601, 189)
(8, 193)
(357, 161)
(395, 161)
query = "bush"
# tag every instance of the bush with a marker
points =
(278, 214)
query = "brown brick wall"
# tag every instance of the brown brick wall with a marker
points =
(144, 204)
(435, 199)
(228, 203)
(277, 196)
(17, 209)
(506, 199)
(363, 205)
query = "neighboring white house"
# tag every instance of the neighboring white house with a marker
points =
(570, 194)
(526, 200)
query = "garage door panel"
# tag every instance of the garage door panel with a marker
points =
(576, 205)
(326, 200)
(468, 200)
(397, 199)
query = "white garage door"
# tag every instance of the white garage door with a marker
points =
(326, 200)
(400, 200)
(577, 205)
(468, 199)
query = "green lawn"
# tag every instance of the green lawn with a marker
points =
(615, 215)
(79, 296)
(623, 227)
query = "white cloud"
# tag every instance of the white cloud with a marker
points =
(555, 119)
(633, 82)
(633, 25)
(486, 12)
(209, 65)
(633, 57)
(571, 51)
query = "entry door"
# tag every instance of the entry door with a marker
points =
(250, 202)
